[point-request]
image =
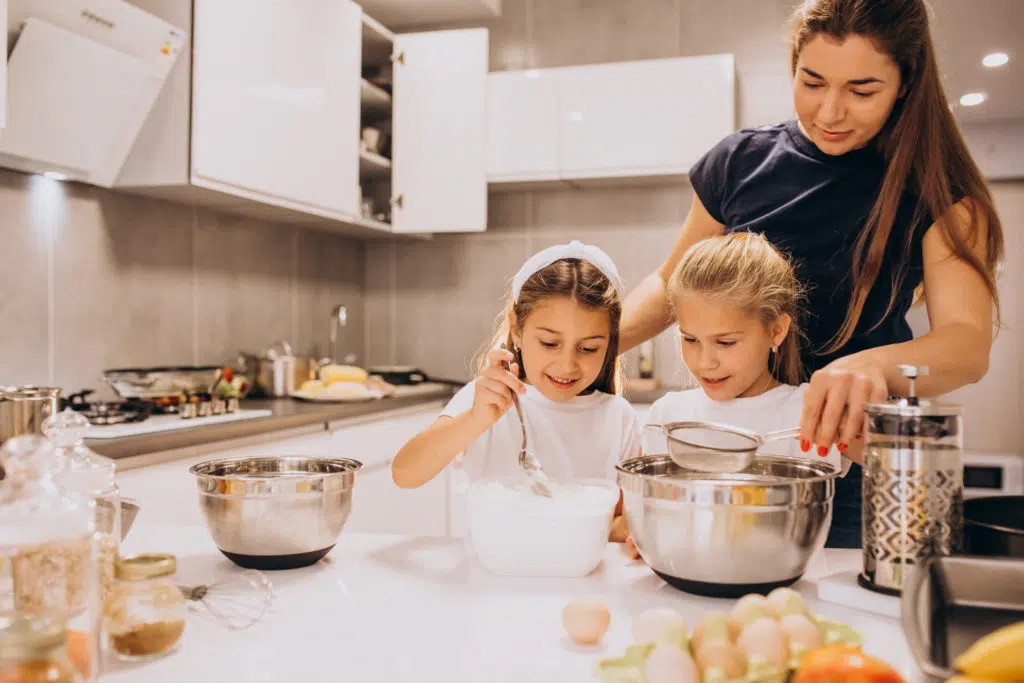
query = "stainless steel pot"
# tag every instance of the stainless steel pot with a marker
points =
(276, 373)
(279, 512)
(23, 409)
(728, 534)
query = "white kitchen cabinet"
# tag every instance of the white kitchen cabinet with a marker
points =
(275, 99)
(440, 125)
(522, 125)
(263, 118)
(650, 118)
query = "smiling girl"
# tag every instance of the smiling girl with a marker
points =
(561, 328)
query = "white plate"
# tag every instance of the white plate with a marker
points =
(327, 398)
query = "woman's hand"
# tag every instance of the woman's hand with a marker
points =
(496, 387)
(833, 410)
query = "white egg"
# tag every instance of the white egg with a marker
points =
(659, 625)
(802, 633)
(783, 601)
(669, 664)
(749, 608)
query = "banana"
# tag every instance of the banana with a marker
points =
(998, 655)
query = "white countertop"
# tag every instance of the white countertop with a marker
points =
(389, 608)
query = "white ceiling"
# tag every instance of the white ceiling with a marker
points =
(964, 32)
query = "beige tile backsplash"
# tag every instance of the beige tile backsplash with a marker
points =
(92, 279)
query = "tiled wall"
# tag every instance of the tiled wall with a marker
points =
(92, 279)
(432, 304)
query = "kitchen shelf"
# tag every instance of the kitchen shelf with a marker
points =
(373, 165)
(374, 99)
(374, 224)
(378, 42)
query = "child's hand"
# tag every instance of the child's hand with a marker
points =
(630, 549)
(496, 386)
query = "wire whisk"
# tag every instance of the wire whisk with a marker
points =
(238, 602)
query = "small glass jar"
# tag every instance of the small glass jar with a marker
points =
(35, 650)
(48, 550)
(79, 469)
(144, 617)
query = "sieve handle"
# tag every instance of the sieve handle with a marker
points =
(781, 434)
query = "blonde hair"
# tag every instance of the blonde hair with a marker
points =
(746, 271)
(578, 281)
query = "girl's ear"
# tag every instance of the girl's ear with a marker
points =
(513, 327)
(780, 328)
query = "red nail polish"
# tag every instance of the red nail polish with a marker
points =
(842, 447)
(822, 451)
(805, 445)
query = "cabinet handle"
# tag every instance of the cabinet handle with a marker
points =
(399, 58)
(397, 200)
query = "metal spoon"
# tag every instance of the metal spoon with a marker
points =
(527, 463)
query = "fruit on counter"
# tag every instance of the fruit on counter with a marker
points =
(843, 664)
(586, 620)
(660, 625)
(329, 374)
(669, 664)
(998, 655)
(312, 386)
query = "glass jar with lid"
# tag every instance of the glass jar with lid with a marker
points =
(48, 549)
(78, 468)
(144, 617)
(35, 650)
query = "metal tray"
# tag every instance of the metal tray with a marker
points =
(950, 603)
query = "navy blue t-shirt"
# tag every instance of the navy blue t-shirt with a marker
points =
(812, 207)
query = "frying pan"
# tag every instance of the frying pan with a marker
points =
(406, 375)
(994, 526)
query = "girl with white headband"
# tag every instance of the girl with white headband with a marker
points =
(556, 348)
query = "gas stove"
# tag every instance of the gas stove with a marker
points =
(185, 406)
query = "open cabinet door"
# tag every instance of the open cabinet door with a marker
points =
(439, 150)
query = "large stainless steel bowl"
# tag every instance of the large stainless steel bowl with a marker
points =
(726, 535)
(278, 512)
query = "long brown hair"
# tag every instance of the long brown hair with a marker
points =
(578, 281)
(744, 270)
(921, 143)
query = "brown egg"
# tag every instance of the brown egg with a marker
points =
(721, 655)
(669, 664)
(586, 620)
(764, 640)
(750, 608)
(801, 631)
(712, 627)
(783, 601)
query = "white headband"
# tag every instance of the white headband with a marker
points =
(574, 250)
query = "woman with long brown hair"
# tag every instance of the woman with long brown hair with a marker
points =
(872, 193)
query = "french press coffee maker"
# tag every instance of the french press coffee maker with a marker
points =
(912, 486)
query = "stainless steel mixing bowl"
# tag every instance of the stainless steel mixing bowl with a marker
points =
(278, 512)
(726, 535)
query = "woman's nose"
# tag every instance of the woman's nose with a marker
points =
(832, 109)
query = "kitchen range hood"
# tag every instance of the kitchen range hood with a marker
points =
(82, 76)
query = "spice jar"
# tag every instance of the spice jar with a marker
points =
(48, 550)
(35, 650)
(79, 469)
(145, 614)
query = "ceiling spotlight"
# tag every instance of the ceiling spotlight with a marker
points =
(995, 59)
(972, 99)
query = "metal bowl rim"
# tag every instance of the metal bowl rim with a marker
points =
(709, 478)
(351, 465)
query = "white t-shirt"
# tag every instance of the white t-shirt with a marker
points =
(771, 411)
(584, 437)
